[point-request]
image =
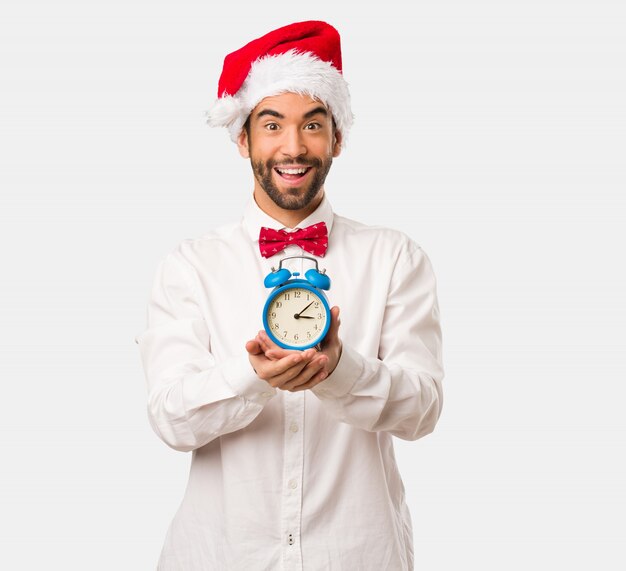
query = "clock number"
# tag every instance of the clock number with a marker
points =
(276, 326)
(319, 316)
(295, 337)
(273, 314)
(296, 294)
(286, 297)
(317, 305)
(308, 334)
(315, 327)
(279, 304)
(284, 333)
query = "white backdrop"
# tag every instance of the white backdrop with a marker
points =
(493, 133)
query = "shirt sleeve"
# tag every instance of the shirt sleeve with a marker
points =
(192, 399)
(400, 391)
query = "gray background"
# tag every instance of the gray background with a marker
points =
(491, 132)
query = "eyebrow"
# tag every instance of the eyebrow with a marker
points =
(320, 109)
(269, 112)
(307, 115)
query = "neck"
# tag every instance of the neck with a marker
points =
(288, 218)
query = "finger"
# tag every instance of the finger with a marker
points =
(308, 373)
(262, 343)
(275, 354)
(333, 331)
(253, 347)
(272, 369)
(313, 381)
(278, 380)
(280, 353)
(311, 369)
(266, 341)
(270, 348)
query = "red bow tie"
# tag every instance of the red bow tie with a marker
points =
(313, 239)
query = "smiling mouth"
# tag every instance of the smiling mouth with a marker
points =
(292, 174)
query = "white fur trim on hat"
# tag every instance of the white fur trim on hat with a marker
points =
(294, 72)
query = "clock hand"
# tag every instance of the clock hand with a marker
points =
(298, 315)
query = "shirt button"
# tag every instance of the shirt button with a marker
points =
(293, 427)
(293, 484)
(266, 395)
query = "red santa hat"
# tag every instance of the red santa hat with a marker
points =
(303, 58)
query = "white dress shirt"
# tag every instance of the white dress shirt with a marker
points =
(285, 480)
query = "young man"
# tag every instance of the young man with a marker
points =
(293, 464)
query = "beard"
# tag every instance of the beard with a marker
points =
(296, 197)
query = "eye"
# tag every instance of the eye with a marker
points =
(271, 126)
(313, 126)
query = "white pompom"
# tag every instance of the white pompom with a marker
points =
(224, 112)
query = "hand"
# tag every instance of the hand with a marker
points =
(330, 353)
(293, 369)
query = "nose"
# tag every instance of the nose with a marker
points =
(292, 144)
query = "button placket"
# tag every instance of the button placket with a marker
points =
(293, 465)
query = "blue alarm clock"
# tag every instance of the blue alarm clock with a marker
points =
(296, 314)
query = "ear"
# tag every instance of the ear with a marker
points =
(242, 144)
(337, 143)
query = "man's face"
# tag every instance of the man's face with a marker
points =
(291, 144)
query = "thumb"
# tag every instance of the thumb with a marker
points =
(253, 347)
(335, 322)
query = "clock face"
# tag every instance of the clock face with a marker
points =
(297, 317)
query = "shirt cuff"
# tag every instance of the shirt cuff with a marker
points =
(240, 375)
(343, 378)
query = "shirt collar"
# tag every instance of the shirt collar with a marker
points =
(254, 218)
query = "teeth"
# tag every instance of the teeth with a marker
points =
(292, 171)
